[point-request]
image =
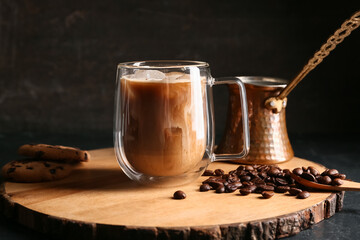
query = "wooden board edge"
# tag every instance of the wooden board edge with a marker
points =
(271, 228)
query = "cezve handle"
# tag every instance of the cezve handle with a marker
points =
(276, 104)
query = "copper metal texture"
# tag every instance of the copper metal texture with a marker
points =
(269, 141)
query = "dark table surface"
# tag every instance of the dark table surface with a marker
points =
(340, 152)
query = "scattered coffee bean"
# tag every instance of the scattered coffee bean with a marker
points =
(215, 183)
(294, 191)
(219, 172)
(282, 189)
(265, 188)
(341, 176)
(271, 184)
(205, 187)
(332, 172)
(273, 172)
(325, 180)
(230, 188)
(337, 182)
(303, 195)
(220, 189)
(179, 195)
(208, 172)
(245, 178)
(267, 194)
(313, 171)
(308, 176)
(281, 181)
(249, 168)
(245, 191)
(232, 178)
(298, 171)
(252, 188)
(247, 184)
(325, 173)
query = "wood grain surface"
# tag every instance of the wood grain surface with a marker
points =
(98, 201)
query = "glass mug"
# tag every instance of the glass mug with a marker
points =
(164, 123)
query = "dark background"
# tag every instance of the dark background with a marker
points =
(58, 62)
(58, 58)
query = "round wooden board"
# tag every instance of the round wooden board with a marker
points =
(98, 201)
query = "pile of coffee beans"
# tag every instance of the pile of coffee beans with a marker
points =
(267, 179)
(328, 177)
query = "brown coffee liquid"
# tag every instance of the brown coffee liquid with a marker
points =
(164, 132)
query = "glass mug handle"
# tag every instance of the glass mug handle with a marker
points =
(245, 120)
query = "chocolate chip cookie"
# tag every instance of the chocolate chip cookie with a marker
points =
(54, 153)
(34, 170)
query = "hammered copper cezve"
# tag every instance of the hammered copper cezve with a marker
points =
(269, 141)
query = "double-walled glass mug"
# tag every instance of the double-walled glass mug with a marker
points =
(164, 123)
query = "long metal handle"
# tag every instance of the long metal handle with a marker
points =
(245, 119)
(276, 103)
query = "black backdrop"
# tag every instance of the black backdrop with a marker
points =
(58, 58)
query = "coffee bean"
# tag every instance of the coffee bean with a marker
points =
(252, 188)
(249, 168)
(215, 184)
(232, 178)
(332, 172)
(253, 174)
(267, 194)
(265, 188)
(240, 168)
(282, 189)
(220, 189)
(324, 180)
(208, 172)
(219, 172)
(258, 181)
(231, 188)
(245, 178)
(303, 195)
(225, 176)
(271, 184)
(294, 191)
(263, 175)
(245, 191)
(233, 172)
(205, 187)
(281, 181)
(308, 176)
(263, 168)
(241, 173)
(341, 176)
(325, 173)
(298, 171)
(314, 171)
(337, 182)
(237, 184)
(273, 172)
(247, 183)
(179, 195)
(286, 170)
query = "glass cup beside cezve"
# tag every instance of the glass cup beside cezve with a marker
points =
(164, 122)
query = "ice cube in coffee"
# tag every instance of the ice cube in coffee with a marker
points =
(164, 122)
